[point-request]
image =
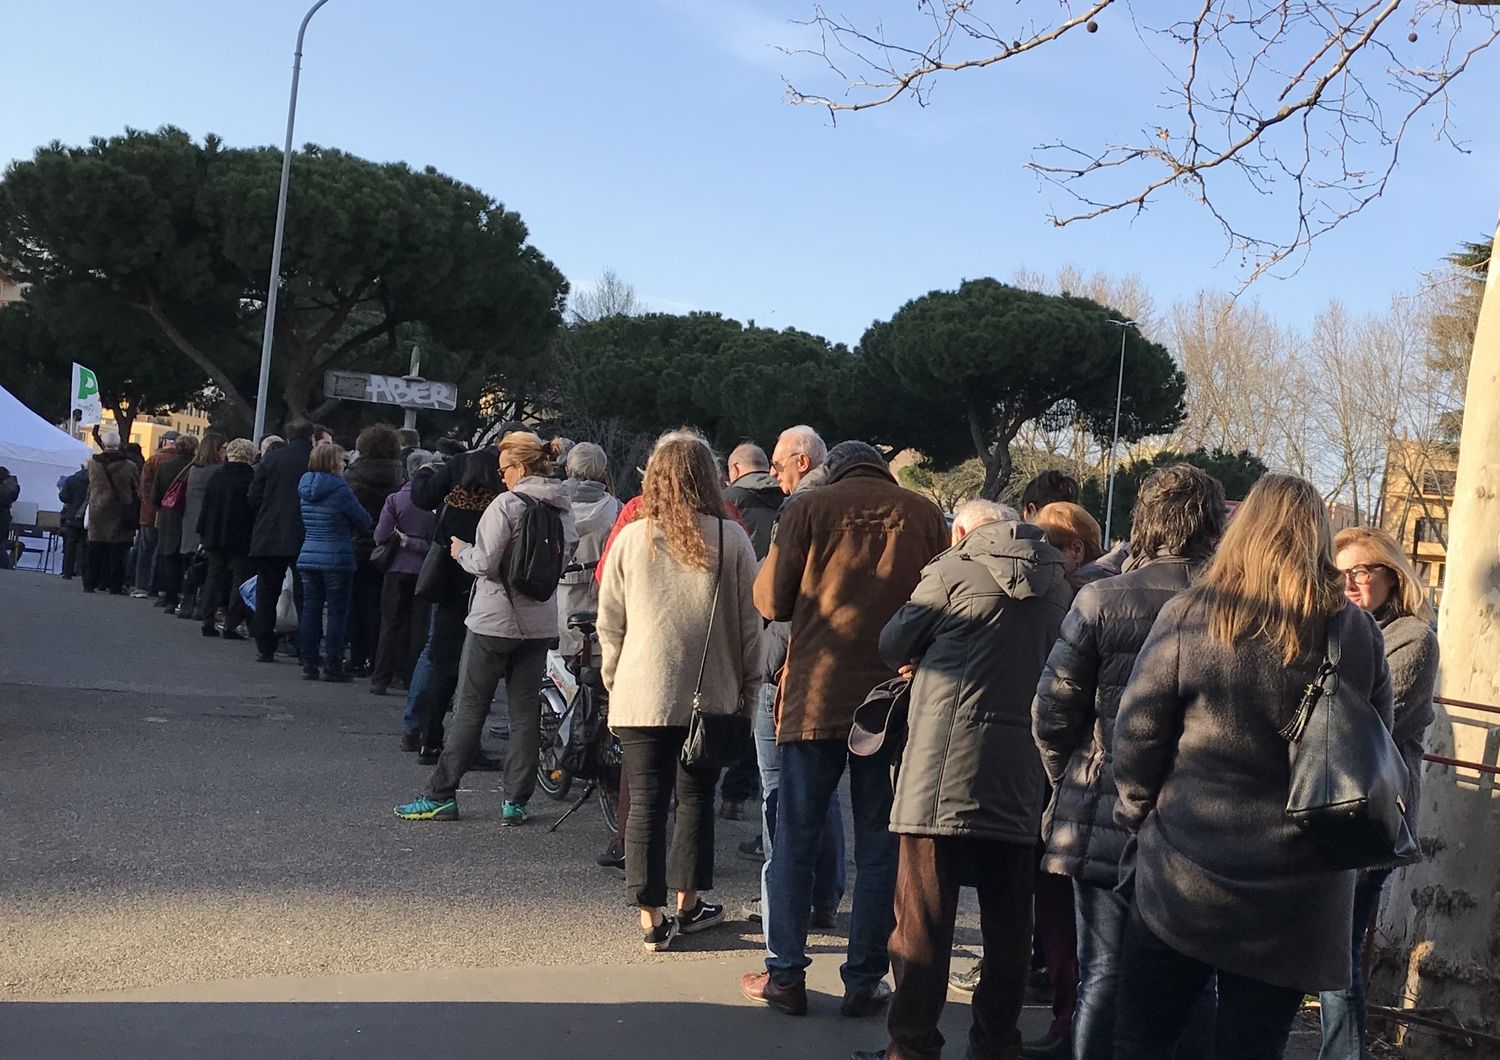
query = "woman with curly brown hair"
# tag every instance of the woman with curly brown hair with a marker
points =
(676, 620)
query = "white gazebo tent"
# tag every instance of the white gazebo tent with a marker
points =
(36, 452)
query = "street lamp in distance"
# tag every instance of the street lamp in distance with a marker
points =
(1109, 502)
(273, 286)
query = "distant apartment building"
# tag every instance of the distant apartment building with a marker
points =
(146, 431)
(1417, 496)
(10, 291)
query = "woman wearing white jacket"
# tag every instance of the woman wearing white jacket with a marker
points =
(509, 634)
(675, 600)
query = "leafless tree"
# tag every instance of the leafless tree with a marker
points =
(607, 296)
(1309, 98)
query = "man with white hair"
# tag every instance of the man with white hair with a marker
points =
(114, 514)
(969, 791)
(800, 455)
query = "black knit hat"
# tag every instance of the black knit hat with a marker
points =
(846, 455)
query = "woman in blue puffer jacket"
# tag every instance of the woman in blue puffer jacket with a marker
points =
(331, 516)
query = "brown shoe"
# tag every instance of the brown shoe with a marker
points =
(759, 986)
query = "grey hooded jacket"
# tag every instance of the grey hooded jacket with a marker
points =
(979, 624)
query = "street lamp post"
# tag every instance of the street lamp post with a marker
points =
(273, 286)
(1109, 502)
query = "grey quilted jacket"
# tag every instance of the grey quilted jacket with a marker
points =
(979, 624)
(1073, 717)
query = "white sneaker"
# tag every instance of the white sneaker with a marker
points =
(139, 594)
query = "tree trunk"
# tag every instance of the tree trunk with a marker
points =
(1440, 929)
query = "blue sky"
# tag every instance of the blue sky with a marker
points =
(653, 137)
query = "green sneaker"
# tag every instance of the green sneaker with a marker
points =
(513, 813)
(424, 809)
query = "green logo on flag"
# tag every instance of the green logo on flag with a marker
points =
(88, 385)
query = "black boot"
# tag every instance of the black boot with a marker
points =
(309, 671)
(335, 671)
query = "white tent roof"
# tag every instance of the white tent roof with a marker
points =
(36, 452)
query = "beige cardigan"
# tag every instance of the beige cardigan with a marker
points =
(652, 617)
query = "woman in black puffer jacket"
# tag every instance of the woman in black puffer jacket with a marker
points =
(375, 475)
(1177, 521)
(436, 675)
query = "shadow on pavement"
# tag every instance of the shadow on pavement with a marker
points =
(453, 1030)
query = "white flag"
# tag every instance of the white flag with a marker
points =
(85, 409)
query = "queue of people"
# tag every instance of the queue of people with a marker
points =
(1095, 741)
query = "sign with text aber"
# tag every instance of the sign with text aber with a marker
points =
(400, 390)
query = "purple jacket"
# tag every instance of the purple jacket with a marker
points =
(399, 513)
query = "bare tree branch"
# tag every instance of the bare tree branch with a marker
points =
(1312, 99)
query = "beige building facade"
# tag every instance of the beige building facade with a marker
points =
(1417, 496)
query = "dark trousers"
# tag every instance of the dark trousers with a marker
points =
(270, 573)
(145, 559)
(106, 566)
(221, 588)
(927, 883)
(1057, 934)
(1159, 989)
(323, 590)
(364, 613)
(432, 691)
(810, 773)
(486, 661)
(740, 781)
(75, 550)
(1102, 914)
(653, 768)
(169, 575)
(401, 630)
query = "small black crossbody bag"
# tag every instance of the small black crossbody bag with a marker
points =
(715, 740)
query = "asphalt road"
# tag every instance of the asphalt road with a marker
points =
(182, 819)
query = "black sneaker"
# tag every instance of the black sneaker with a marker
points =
(612, 857)
(660, 937)
(411, 741)
(752, 849)
(701, 917)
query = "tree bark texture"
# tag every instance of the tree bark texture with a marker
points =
(1439, 938)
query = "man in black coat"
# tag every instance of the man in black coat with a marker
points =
(74, 494)
(277, 537)
(755, 492)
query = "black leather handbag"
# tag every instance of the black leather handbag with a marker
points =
(1348, 779)
(432, 579)
(715, 740)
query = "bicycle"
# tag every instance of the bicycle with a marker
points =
(573, 695)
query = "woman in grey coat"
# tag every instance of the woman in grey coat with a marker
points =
(1379, 579)
(1224, 882)
(206, 462)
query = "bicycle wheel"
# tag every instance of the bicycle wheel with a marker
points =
(551, 777)
(609, 783)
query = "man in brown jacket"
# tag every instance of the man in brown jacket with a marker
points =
(845, 557)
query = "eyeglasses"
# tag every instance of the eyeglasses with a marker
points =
(1363, 572)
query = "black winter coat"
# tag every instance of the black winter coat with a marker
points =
(1073, 717)
(372, 479)
(273, 495)
(758, 497)
(458, 516)
(74, 495)
(979, 625)
(226, 518)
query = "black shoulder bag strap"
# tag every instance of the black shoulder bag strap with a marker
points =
(713, 610)
(1324, 681)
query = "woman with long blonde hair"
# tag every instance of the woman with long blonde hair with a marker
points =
(1224, 883)
(1379, 579)
(676, 617)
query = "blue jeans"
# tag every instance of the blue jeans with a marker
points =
(323, 588)
(1102, 914)
(421, 674)
(810, 773)
(829, 876)
(1344, 1010)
